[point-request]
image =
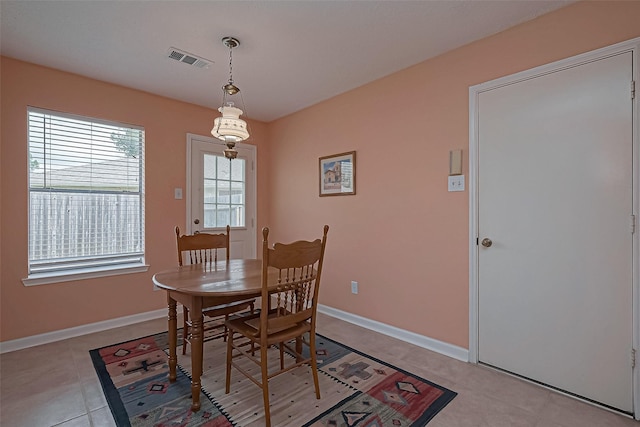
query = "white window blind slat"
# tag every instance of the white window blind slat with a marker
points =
(86, 185)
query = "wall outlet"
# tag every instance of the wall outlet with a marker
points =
(354, 287)
(456, 183)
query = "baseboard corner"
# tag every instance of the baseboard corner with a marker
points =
(432, 344)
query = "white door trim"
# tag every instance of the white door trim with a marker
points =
(474, 91)
(249, 147)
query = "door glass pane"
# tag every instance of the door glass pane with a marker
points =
(209, 166)
(210, 191)
(237, 213)
(224, 168)
(224, 192)
(237, 171)
(223, 215)
(237, 193)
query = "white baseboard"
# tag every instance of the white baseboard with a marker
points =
(20, 343)
(441, 347)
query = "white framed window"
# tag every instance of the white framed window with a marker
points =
(86, 197)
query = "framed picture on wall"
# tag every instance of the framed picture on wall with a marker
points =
(338, 174)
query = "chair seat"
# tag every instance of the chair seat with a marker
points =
(248, 326)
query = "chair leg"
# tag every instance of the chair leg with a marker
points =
(281, 345)
(314, 363)
(265, 384)
(227, 386)
(226, 331)
(185, 329)
(253, 346)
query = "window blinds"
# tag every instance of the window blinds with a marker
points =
(86, 192)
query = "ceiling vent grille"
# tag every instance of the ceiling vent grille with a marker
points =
(188, 58)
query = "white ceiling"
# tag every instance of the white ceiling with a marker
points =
(293, 54)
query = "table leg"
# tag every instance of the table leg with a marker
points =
(173, 338)
(196, 352)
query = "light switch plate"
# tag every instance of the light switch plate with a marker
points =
(354, 287)
(177, 193)
(456, 183)
(455, 162)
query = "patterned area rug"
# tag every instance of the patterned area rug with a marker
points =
(357, 390)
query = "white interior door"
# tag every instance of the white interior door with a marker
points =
(554, 186)
(222, 191)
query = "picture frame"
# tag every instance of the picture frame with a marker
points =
(338, 174)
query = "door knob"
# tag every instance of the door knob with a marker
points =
(486, 242)
(196, 221)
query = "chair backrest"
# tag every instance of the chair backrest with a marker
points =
(297, 268)
(201, 248)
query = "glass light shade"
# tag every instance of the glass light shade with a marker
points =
(230, 127)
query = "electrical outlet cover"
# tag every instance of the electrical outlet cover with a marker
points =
(456, 183)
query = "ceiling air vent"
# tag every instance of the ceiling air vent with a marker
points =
(188, 58)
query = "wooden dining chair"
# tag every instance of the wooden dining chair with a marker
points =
(203, 248)
(287, 316)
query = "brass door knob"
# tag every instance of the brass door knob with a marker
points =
(486, 242)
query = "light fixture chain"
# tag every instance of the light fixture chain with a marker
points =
(244, 106)
(231, 64)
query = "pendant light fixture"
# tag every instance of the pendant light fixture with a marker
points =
(230, 128)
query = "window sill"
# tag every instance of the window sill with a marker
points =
(81, 274)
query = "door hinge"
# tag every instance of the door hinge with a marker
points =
(633, 223)
(633, 89)
(633, 358)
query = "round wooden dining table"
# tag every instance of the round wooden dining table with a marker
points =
(200, 286)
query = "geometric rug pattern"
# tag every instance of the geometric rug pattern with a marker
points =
(356, 389)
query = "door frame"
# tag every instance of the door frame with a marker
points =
(632, 45)
(254, 197)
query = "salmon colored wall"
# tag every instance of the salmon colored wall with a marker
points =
(403, 237)
(27, 311)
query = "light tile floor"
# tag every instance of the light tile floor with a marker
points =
(56, 385)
